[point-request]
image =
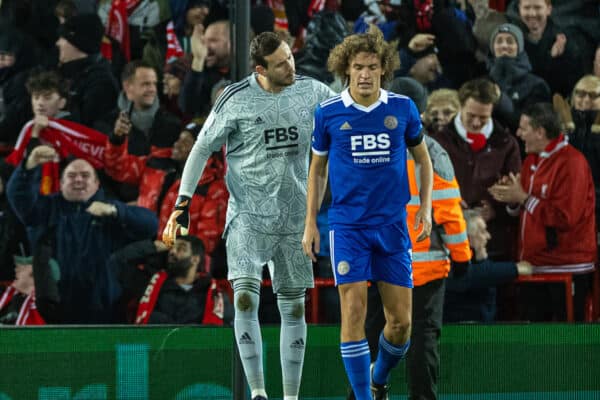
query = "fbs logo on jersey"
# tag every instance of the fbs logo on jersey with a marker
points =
(281, 136)
(367, 145)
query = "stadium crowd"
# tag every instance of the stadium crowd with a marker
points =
(101, 102)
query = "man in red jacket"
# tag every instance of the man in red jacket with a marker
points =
(554, 196)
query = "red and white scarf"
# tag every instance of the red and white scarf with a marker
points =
(68, 138)
(28, 313)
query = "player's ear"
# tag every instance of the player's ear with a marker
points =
(261, 70)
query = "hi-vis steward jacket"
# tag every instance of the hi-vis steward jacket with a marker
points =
(448, 240)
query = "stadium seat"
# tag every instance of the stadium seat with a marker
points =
(592, 307)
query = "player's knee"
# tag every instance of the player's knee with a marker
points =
(244, 302)
(246, 294)
(400, 328)
(291, 305)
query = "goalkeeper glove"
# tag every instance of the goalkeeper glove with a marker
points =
(179, 219)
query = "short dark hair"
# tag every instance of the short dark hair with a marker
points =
(196, 246)
(263, 45)
(542, 115)
(481, 90)
(65, 9)
(47, 81)
(130, 68)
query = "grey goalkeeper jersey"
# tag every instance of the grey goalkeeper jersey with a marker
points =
(267, 138)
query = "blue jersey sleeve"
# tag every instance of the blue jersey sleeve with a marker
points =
(320, 136)
(413, 135)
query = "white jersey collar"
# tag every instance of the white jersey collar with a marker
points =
(349, 101)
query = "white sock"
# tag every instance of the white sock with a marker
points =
(247, 332)
(292, 341)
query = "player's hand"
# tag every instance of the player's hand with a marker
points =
(179, 220)
(423, 217)
(40, 155)
(311, 241)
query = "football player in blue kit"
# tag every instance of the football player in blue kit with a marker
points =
(361, 137)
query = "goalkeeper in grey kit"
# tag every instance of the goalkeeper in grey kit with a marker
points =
(266, 122)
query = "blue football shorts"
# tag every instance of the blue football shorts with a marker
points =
(377, 254)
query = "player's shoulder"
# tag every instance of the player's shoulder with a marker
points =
(230, 93)
(398, 98)
(314, 85)
(331, 102)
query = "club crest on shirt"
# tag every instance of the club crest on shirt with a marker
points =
(304, 113)
(390, 122)
(343, 267)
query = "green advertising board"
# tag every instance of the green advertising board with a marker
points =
(129, 363)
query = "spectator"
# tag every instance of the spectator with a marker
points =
(424, 67)
(554, 196)
(325, 30)
(92, 87)
(509, 67)
(17, 301)
(472, 297)
(442, 106)
(553, 55)
(85, 228)
(425, 23)
(186, 15)
(410, 88)
(481, 151)
(174, 74)
(582, 120)
(384, 14)
(211, 50)
(158, 179)
(140, 124)
(179, 292)
(15, 62)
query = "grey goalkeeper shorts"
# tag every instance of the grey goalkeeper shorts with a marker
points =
(248, 251)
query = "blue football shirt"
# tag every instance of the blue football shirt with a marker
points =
(366, 147)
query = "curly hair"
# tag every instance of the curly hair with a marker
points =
(370, 42)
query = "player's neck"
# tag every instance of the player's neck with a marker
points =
(264, 83)
(364, 101)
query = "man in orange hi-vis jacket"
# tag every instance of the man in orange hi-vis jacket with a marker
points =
(432, 259)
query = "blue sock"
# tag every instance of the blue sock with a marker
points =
(357, 360)
(387, 358)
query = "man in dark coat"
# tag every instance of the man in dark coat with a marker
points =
(93, 88)
(84, 229)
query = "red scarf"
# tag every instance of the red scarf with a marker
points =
(423, 14)
(67, 138)
(28, 313)
(118, 28)
(174, 50)
(150, 297)
(476, 140)
(213, 308)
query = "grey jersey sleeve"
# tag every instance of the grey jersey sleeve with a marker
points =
(211, 138)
